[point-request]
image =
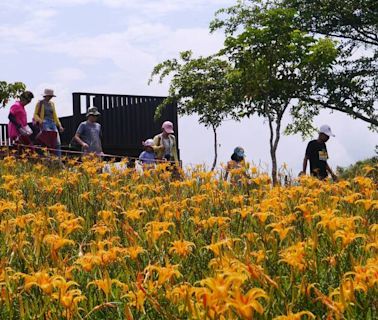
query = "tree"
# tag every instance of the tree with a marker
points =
(10, 91)
(352, 20)
(352, 87)
(275, 66)
(199, 86)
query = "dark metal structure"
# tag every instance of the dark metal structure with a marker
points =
(126, 120)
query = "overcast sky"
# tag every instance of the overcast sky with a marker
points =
(111, 46)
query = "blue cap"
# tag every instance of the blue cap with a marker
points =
(239, 151)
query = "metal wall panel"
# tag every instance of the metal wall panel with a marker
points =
(126, 121)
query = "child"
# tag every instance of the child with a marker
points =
(148, 155)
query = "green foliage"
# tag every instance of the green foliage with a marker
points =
(10, 91)
(352, 87)
(355, 20)
(368, 167)
(199, 86)
(278, 64)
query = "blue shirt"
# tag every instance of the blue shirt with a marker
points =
(147, 157)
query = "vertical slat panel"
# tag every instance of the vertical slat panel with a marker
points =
(105, 103)
(103, 120)
(129, 122)
(97, 102)
(117, 126)
(123, 112)
(118, 122)
(3, 135)
(113, 130)
(133, 125)
(76, 104)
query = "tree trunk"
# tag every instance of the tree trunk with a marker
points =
(215, 148)
(275, 135)
(272, 152)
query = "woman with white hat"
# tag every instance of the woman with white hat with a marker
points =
(45, 116)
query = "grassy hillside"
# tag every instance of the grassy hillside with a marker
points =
(368, 168)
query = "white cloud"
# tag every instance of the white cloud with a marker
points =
(135, 51)
(44, 13)
(148, 7)
(165, 6)
(33, 25)
(60, 3)
(14, 36)
(68, 75)
(112, 46)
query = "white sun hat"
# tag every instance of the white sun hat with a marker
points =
(326, 129)
(49, 93)
(148, 143)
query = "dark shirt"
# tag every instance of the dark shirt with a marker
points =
(317, 153)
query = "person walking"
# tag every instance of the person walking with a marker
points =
(237, 162)
(88, 134)
(165, 143)
(18, 123)
(317, 154)
(45, 116)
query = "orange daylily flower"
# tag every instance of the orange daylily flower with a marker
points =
(246, 305)
(295, 256)
(56, 242)
(134, 252)
(166, 273)
(181, 247)
(68, 298)
(40, 279)
(105, 285)
(296, 316)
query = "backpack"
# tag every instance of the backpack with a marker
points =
(39, 109)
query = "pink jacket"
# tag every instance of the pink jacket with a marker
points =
(18, 110)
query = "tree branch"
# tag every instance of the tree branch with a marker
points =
(347, 111)
(344, 36)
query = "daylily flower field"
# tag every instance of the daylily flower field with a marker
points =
(79, 244)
